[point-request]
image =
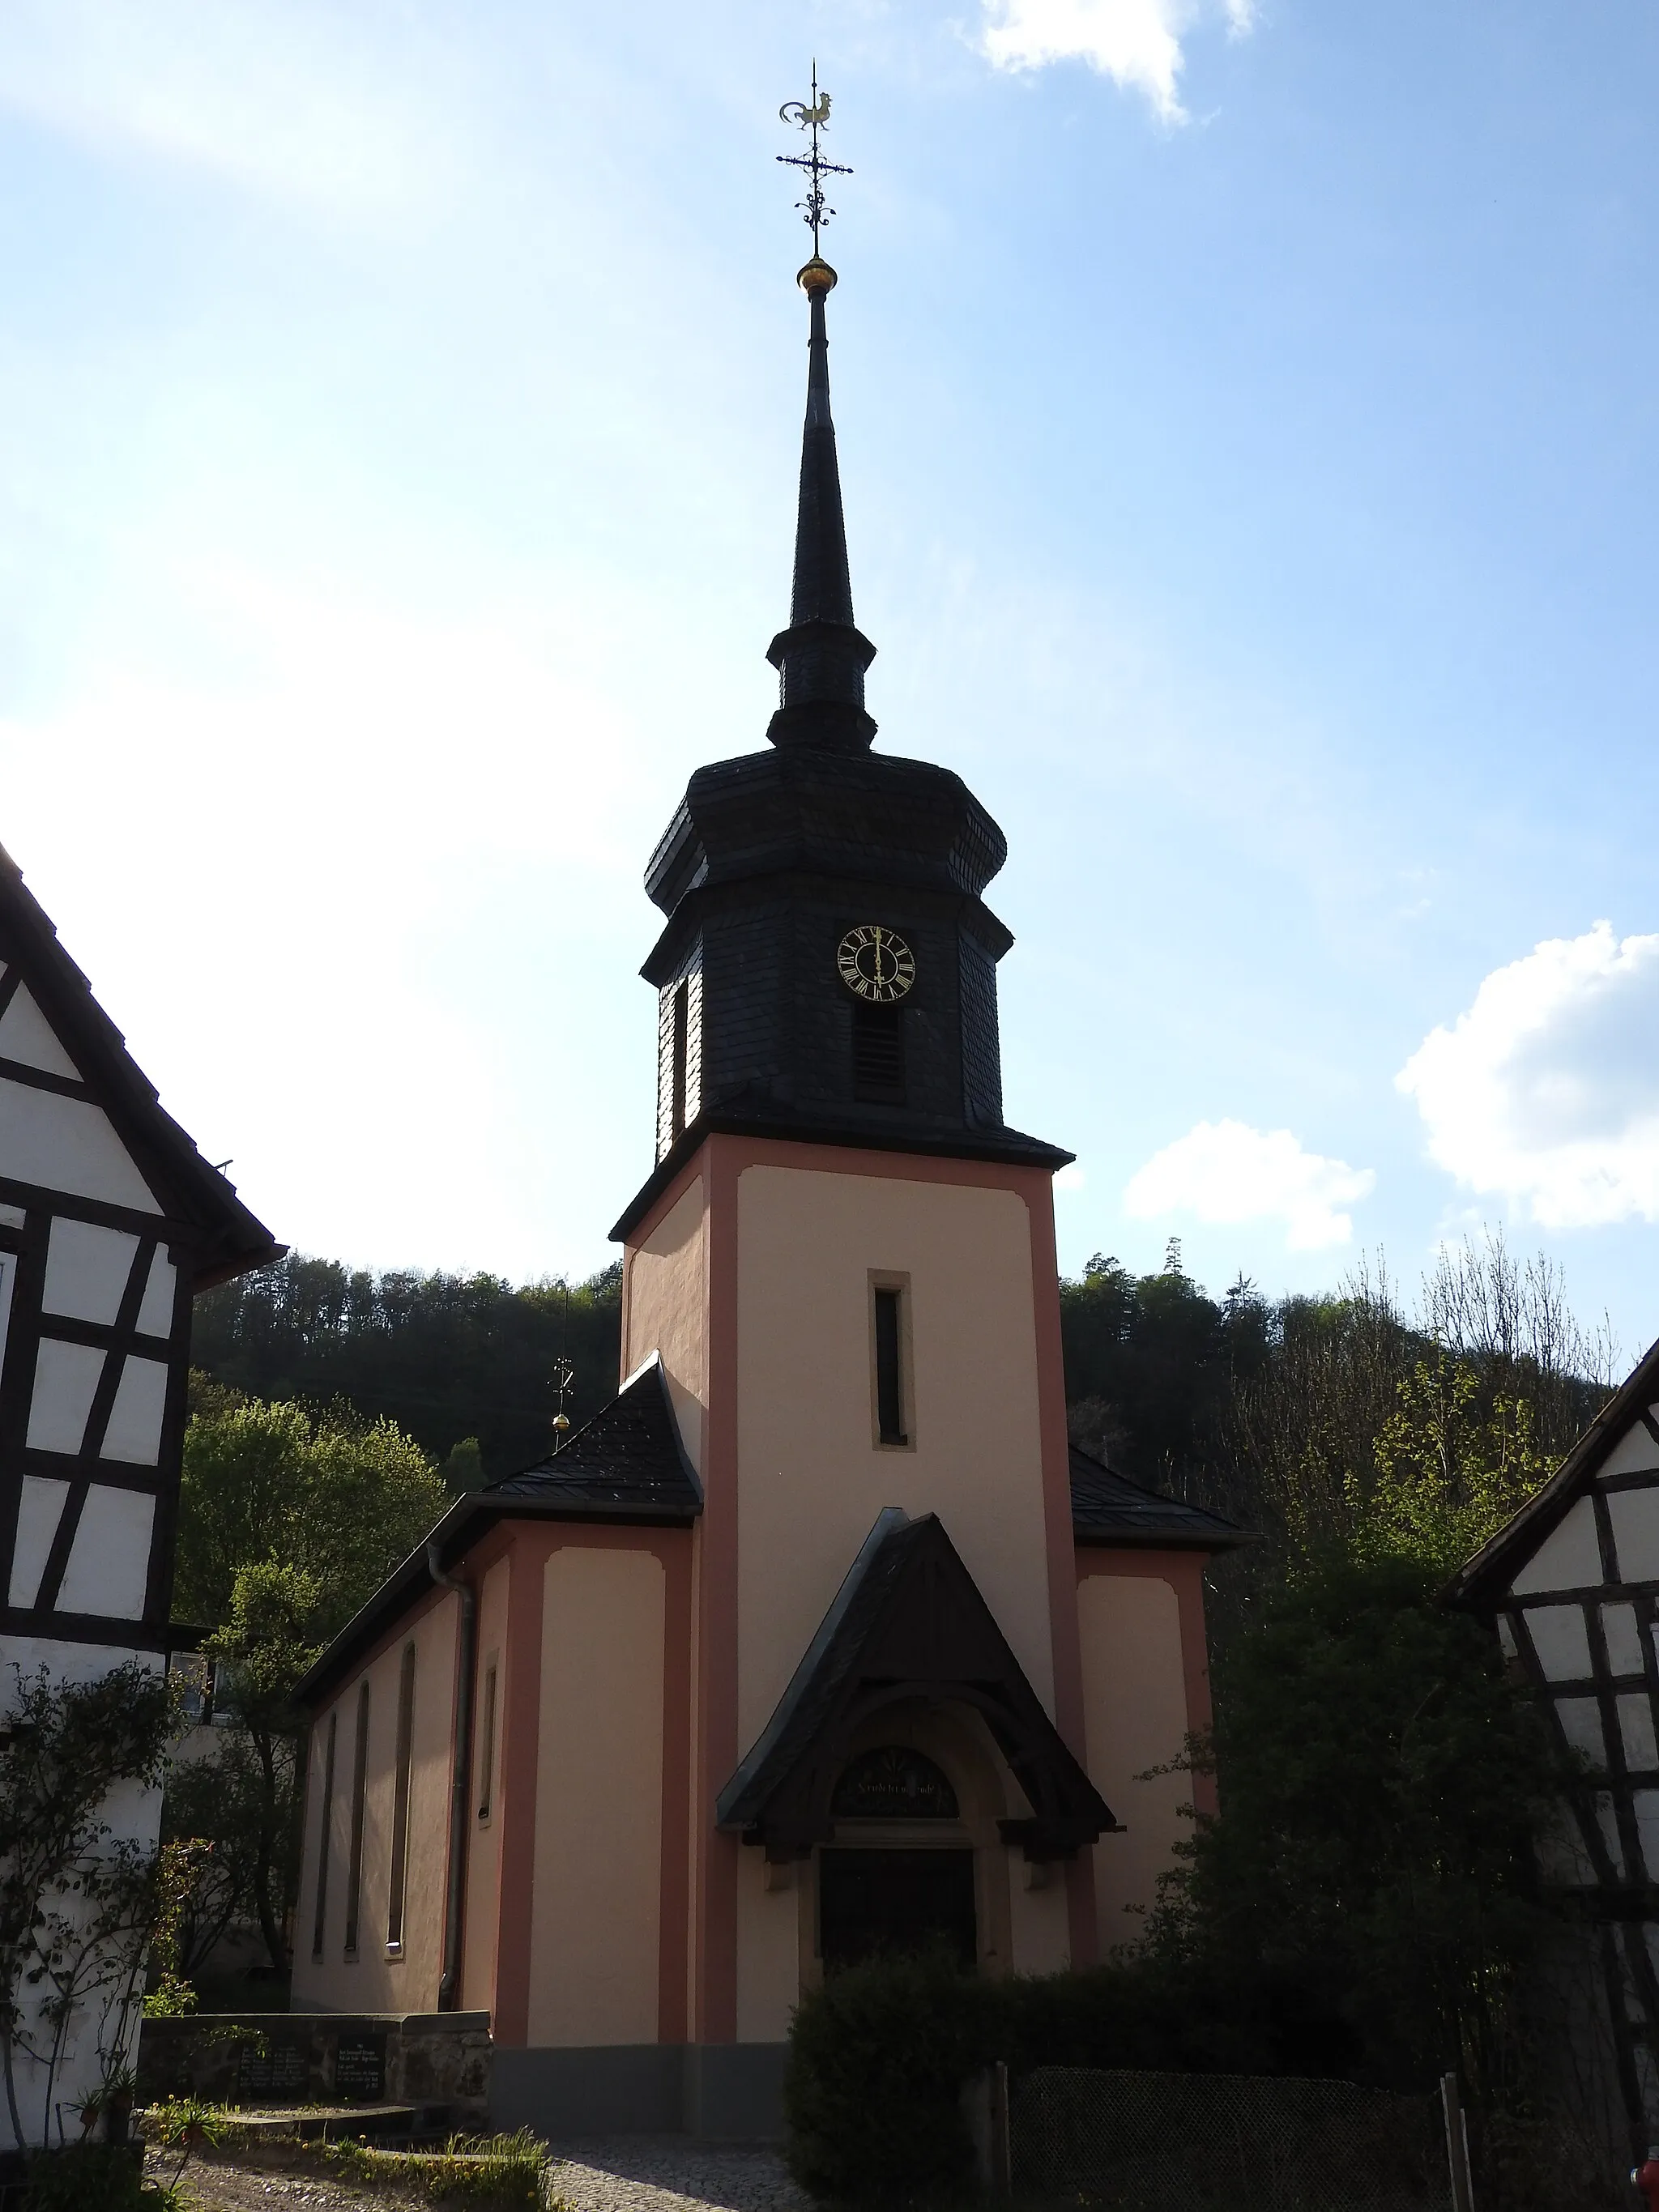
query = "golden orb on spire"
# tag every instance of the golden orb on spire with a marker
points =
(817, 278)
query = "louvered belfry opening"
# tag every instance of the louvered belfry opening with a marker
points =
(878, 1054)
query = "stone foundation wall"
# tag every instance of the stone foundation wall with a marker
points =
(420, 2059)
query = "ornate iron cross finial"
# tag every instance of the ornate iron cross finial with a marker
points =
(814, 118)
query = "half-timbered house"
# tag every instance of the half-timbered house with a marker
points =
(819, 1637)
(110, 1222)
(1572, 1584)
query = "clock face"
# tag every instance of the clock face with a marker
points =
(876, 963)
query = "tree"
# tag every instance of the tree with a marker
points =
(288, 1520)
(446, 1357)
(1381, 1779)
(261, 1653)
(338, 1498)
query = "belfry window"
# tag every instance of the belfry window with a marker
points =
(394, 1914)
(888, 1347)
(359, 1784)
(679, 1042)
(878, 1054)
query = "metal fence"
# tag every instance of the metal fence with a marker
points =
(1181, 2142)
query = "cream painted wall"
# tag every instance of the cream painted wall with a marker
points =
(768, 1946)
(370, 1982)
(596, 1913)
(1134, 1706)
(810, 1479)
(668, 1311)
(484, 1855)
(1040, 1917)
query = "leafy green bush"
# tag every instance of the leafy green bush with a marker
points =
(872, 2089)
(878, 2054)
(88, 2177)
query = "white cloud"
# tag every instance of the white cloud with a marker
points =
(1225, 1171)
(1547, 1090)
(1137, 43)
(306, 100)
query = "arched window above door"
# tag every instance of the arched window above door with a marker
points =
(893, 1782)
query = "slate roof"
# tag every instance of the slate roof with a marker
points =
(626, 1464)
(1106, 1508)
(628, 1459)
(193, 1193)
(1482, 1579)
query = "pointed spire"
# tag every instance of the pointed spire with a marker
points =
(821, 657)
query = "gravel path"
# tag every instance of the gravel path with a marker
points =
(671, 2174)
(217, 2186)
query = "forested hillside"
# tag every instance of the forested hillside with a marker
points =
(1272, 1411)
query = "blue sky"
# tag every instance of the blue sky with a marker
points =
(1249, 430)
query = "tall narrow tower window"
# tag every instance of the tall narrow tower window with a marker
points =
(320, 1920)
(878, 1054)
(887, 1318)
(394, 1912)
(359, 1784)
(677, 1046)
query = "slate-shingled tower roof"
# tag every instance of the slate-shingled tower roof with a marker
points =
(821, 657)
(772, 856)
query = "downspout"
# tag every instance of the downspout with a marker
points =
(449, 1984)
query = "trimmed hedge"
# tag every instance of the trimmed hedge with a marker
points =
(878, 2054)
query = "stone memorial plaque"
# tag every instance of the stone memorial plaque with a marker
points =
(279, 2072)
(360, 2070)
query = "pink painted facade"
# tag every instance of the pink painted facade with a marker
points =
(620, 1673)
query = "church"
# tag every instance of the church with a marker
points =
(819, 1637)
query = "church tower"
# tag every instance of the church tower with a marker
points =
(819, 1638)
(828, 967)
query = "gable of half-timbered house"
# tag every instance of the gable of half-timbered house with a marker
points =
(1572, 1585)
(110, 1220)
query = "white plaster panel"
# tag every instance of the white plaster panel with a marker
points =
(1581, 1724)
(1645, 1804)
(7, 1278)
(1634, 1453)
(87, 1270)
(1624, 1639)
(1635, 1727)
(1506, 1636)
(27, 1035)
(39, 1511)
(1607, 1820)
(1568, 1559)
(1635, 1517)
(13, 1217)
(108, 1569)
(155, 1313)
(1561, 1641)
(52, 2088)
(67, 1145)
(134, 1433)
(1561, 1858)
(65, 1378)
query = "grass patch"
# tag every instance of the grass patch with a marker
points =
(492, 2174)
